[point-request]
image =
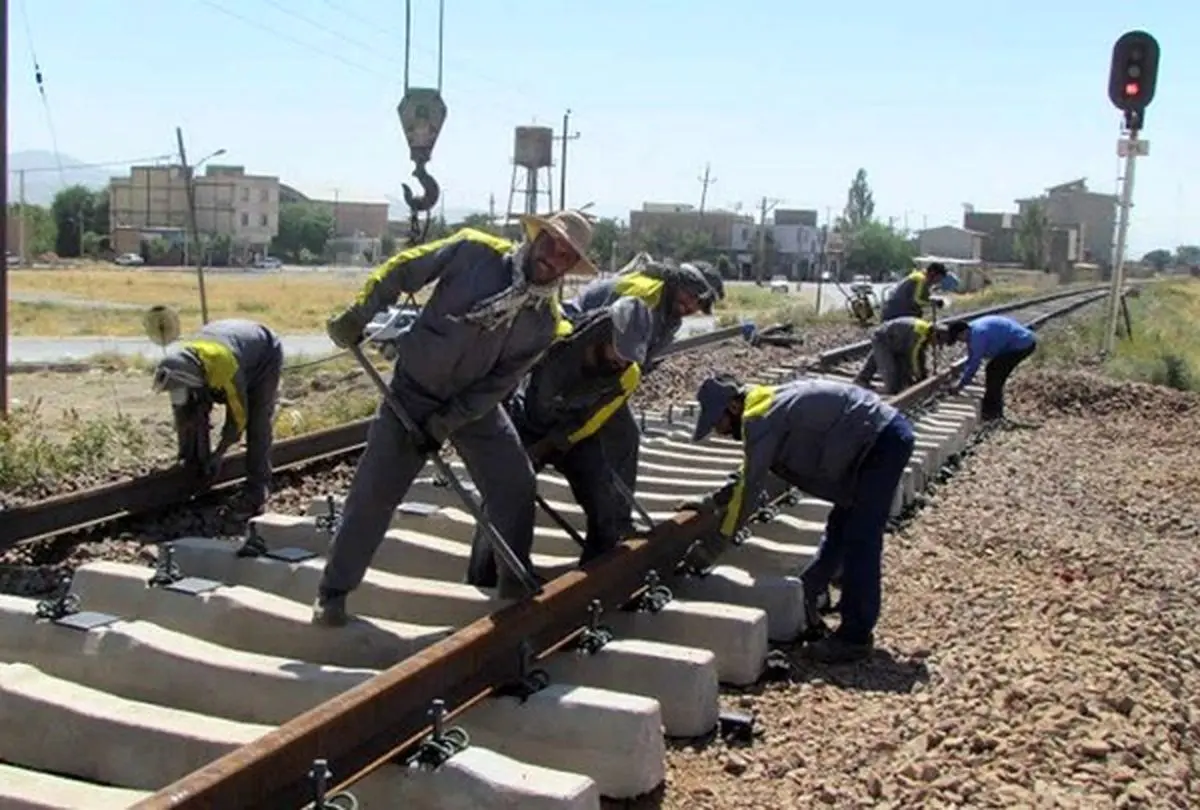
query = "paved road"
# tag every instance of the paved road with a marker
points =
(64, 349)
(70, 301)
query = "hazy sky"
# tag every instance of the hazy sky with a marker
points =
(943, 103)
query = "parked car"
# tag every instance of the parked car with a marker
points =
(129, 260)
(780, 284)
(268, 263)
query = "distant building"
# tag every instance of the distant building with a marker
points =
(229, 202)
(1001, 244)
(351, 220)
(1093, 214)
(793, 248)
(680, 217)
(951, 242)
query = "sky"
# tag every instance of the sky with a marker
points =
(943, 103)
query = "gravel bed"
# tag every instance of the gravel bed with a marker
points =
(1041, 627)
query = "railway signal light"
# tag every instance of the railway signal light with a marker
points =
(1132, 75)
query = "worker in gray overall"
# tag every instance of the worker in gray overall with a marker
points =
(671, 293)
(913, 294)
(235, 363)
(493, 313)
(560, 406)
(899, 352)
(834, 441)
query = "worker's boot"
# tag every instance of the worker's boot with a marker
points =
(834, 649)
(329, 610)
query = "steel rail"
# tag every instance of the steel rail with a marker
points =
(378, 721)
(87, 508)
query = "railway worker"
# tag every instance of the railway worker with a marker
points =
(912, 294)
(493, 313)
(563, 402)
(899, 352)
(671, 293)
(834, 441)
(235, 363)
(1004, 343)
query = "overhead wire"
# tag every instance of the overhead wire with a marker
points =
(41, 86)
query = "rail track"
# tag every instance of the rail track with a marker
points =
(201, 683)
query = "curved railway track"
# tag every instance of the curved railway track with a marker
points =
(201, 683)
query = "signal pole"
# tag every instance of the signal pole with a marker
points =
(766, 207)
(705, 182)
(562, 169)
(4, 231)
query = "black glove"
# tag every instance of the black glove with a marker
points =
(938, 303)
(346, 328)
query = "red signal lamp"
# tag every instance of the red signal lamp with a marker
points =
(1131, 88)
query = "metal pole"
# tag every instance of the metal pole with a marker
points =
(4, 230)
(21, 223)
(190, 188)
(1118, 274)
(562, 171)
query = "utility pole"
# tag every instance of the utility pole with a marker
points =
(4, 230)
(705, 182)
(21, 222)
(562, 169)
(190, 187)
(768, 205)
(492, 209)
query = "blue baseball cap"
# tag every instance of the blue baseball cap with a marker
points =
(714, 396)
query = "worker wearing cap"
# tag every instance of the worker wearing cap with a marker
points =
(1004, 343)
(671, 293)
(493, 313)
(561, 405)
(899, 352)
(834, 441)
(912, 295)
(235, 363)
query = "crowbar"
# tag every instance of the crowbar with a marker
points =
(629, 497)
(499, 547)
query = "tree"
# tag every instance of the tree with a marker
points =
(40, 229)
(860, 204)
(387, 245)
(76, 210)
(479, 222)
(1187, 255)
(876, 249)
(725, 267)
(1033, 237)
(303, 226)
(1159, 259)
(607, 236)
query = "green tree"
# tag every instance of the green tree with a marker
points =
(93, 244)
(387, 246)
(860, 204)
(40, 229)
(74, 212)
(1033, 237)
(479, 222)
(98, 222)
(1159, 259)
(607, 237)
(1187, 255)
(876, 249)
(303, 226)
(725, 267)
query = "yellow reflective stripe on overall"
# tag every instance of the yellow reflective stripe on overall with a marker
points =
(920, 291)
(420, 251)
(562, 327)
(220, 366)
(637, 285)
(922, 329)
(758, 402)
(629, 383)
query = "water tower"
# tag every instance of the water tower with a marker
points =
(533, 150)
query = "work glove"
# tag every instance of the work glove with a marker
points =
(702, 506)
(938, 303)
(430, 439)
(346, 329)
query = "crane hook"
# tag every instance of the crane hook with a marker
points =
(428, 185)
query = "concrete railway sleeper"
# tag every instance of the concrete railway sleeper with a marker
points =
(202, 683)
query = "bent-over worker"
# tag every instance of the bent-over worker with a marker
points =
(1004, 343)
(671, 293)
(912, 294)
(561, 405)
(899, 351)
(235, 363)
(834, 441)
(492, 314)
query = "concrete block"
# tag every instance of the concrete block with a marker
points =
(386, 596)
(736, 635)
(761, 556)
(613, 737)
(682, 679)
(781, 598)
(22, 789)
(249, 619)
(790, 530)
(478, 778)
(141, 661)
(88, 734)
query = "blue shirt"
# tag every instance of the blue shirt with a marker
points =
(990, 336)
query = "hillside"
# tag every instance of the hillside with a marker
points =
(42, 178)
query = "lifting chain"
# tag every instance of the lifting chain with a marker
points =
(63, 603)
(254, 545)
(422, 112)
(441, 744)
(320, 776)
(529, 680)
(655, 597)
(331, 520)
(595, 635)
(166, 570)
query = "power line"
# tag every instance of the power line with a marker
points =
(37, 76)
(105, 165)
